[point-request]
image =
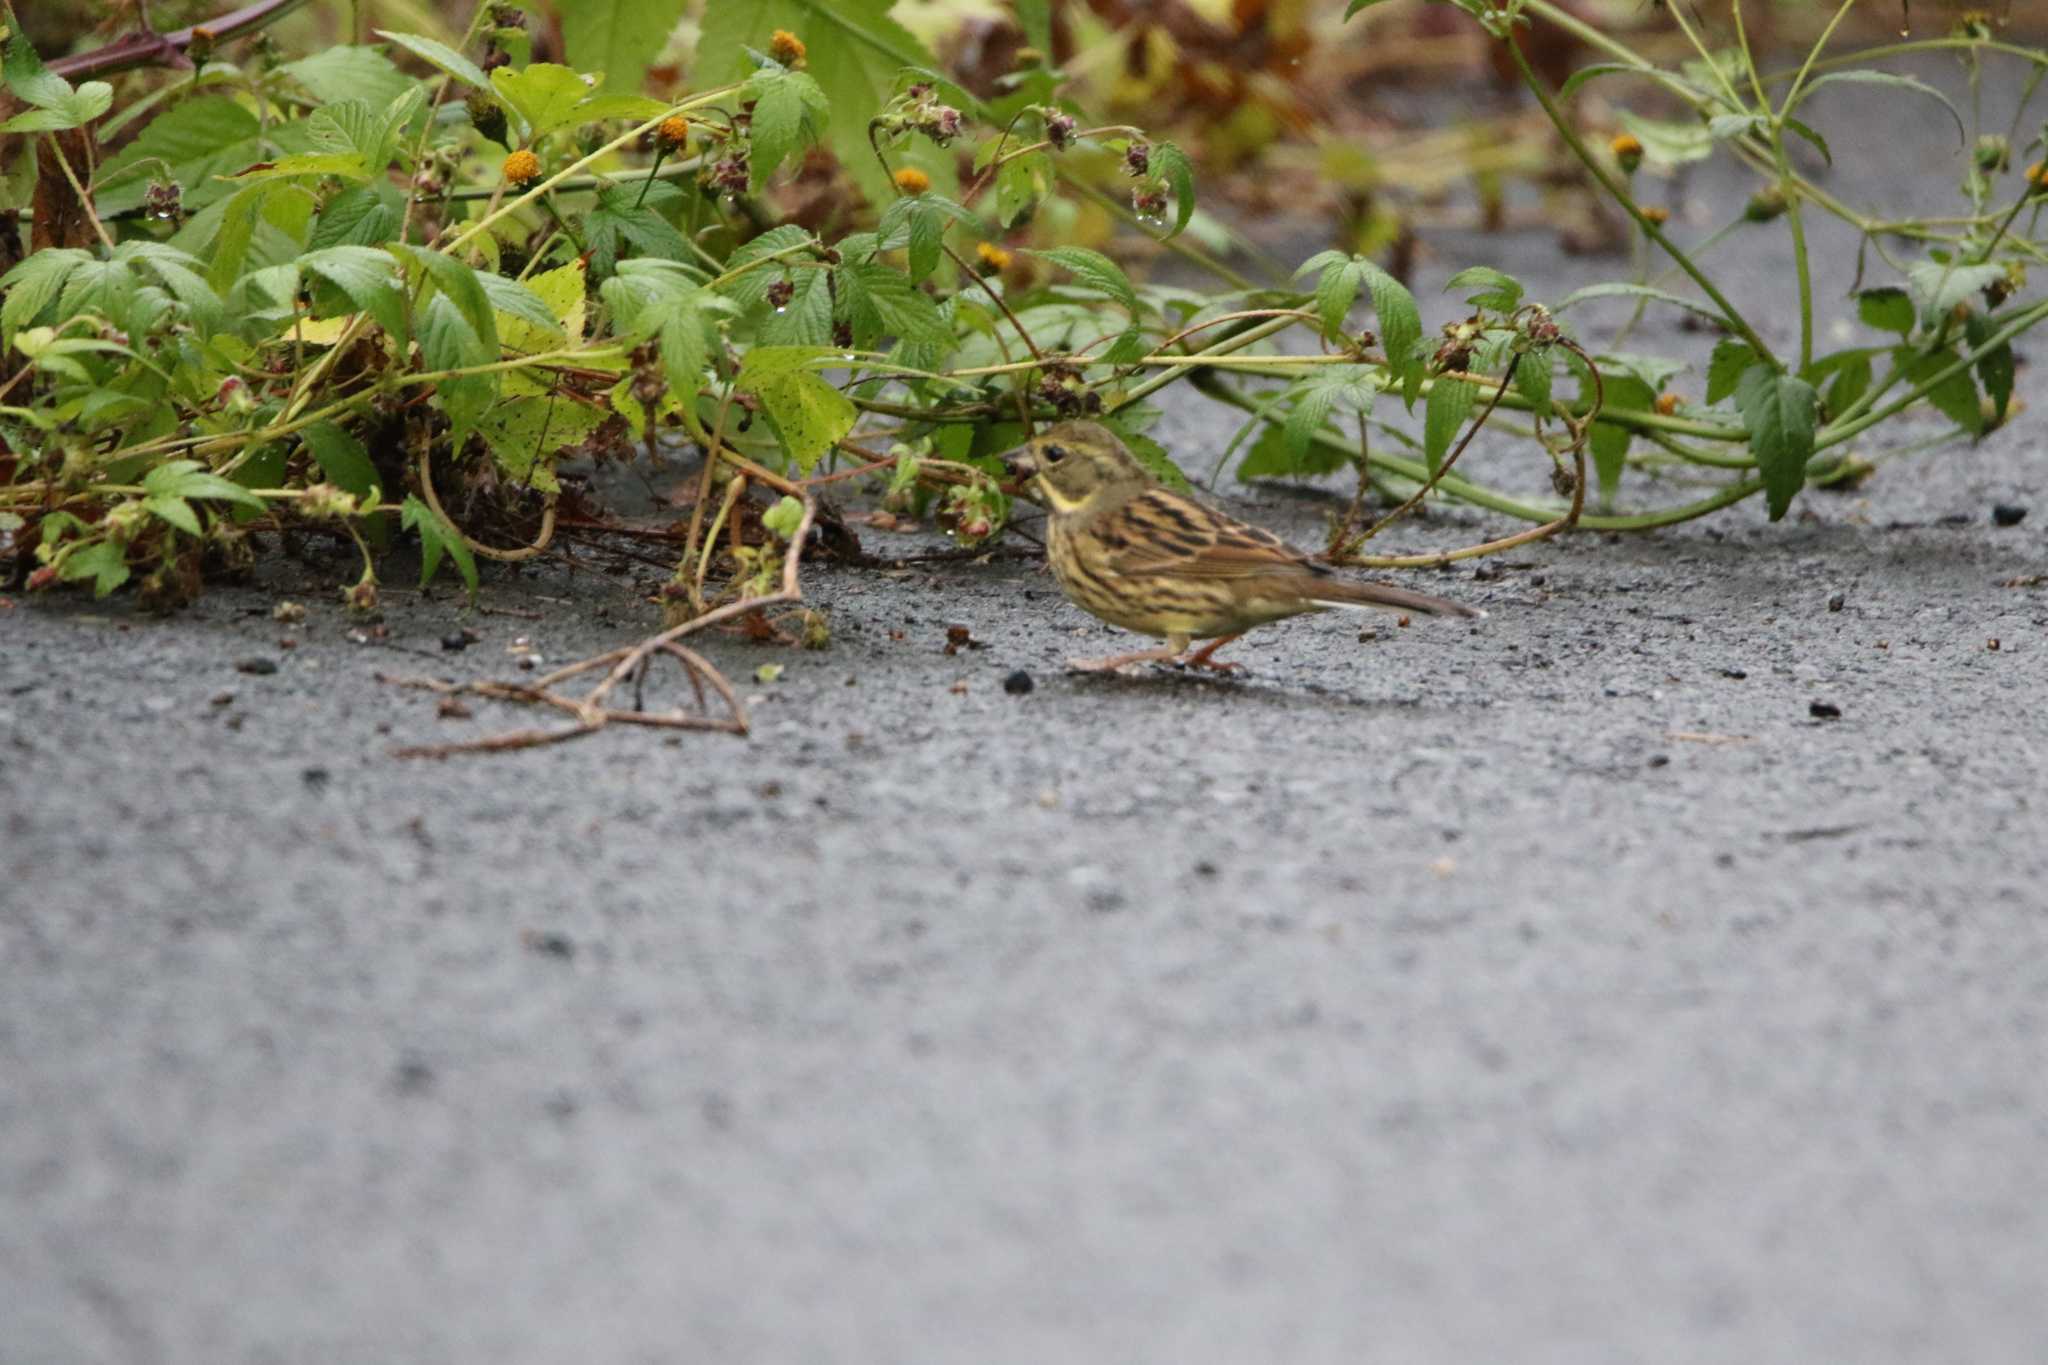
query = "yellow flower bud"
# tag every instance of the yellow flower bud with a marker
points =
(911, 180)
(521, 167)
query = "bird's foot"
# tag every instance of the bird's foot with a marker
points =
(1204, 657)
(1116, 663)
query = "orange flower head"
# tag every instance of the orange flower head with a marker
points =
(521, 167)
(1667, 403)
(1657, 214)
(911, 180)
(994, 260)
(786, 47)
(672, 133)
(1628, 152)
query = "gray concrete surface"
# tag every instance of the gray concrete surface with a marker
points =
(1555, 990)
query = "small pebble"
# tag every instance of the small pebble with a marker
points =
(1835, 601)
(258, 666)
(1018, 684)
(223, 699)
(1824, 710)
(455, 641)
(1736, 673)
(554, 945)
(2008, 514)
(315, 778)
(291, 613)
(1660, 760)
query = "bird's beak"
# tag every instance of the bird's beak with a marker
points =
(1021, 461)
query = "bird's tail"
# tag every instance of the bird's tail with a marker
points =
(1355, 596)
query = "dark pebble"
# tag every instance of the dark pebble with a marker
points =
(315, 778)
(554, 945)
(1835, 601)
(258, 666)
(1018, 683)
(1736, 673)
(1660, 760)
(2008, 514)
(1824, 710)
(455, 641)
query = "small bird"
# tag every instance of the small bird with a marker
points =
(1137, 554)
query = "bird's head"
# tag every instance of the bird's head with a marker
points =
(1073, 466)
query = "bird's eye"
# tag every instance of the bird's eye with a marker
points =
(1054, 454)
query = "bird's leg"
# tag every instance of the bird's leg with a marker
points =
(1174, 647)
(1202, 658)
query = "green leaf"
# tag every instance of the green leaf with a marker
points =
(1887, 79)
(1021, 184)
(1820, 144)
(32, 284)
(1172, 164)
(1532, 379)
(1731, 360)
(1995, 367)
(346, 72)
(882, 302)
(1669, 144)
(342, 458)
(789, 113)
(1316, 398)
(361, 215)
(526, 435)
(366, 276)
(622, 219)
(1495, 290)
(620, 37)
(545, 95)
(441, 56)
(1356, 5)
(1450, 402)
(1954, 397)
(1610, 440)
(175, 511)
(191, 479)
(1399, 319)
(23, 71)
(1938, 286)
(437, 537)
(512, 299)
(1888, 309)
(74, 109)
(1034, 17)
(199, 139)
(855, 51)
(807, 413)
(1095, 270)
(1779, 412)
(1851, 375)
(103, 563)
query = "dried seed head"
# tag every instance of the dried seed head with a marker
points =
(1059, 131)
(487, 116)
(1657, 214)
(1138, 159)
(1766, 204)
(1667, 403)
(786, 47)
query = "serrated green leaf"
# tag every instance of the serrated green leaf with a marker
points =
(527, 434)
(437, 537)
(1954, 397)
(1779, 412)
(789, 113)
(1450, 402)
(341, 457)
(883, 302)
(1888, 309)
(808, 414)
(74, 109)
(175, 511)
(24, 73)
(544, 94)
(366, 276)
(1532, 380)
(1626, 290)
(1172, 164)
(1095, 270)
(440, 56)
(104, 563)
(347, 72)
(1494, 289)
(32, 284)
(513, 301)
(1610, 441)
(855, 51)
(1995, 367)
(620, 37)
(1937, 287)
(199, 140)
(191, 479)
(624, 218)
(1731, 360)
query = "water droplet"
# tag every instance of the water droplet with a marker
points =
(848, 357)
(1152, 220)
(782, 308)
